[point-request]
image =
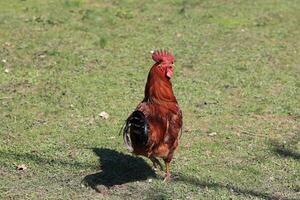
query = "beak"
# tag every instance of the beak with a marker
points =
(169, 74)
(170, 71)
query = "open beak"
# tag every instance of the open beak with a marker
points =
(170, 72)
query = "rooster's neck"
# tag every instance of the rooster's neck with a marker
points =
(159, 89)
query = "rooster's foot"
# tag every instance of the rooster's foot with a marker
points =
(167, 178)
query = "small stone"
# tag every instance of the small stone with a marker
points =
(102, 189)
(21, 167)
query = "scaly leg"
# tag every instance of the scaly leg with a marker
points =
(168, 174)
(156, 163)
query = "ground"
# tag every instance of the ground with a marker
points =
(237, 79)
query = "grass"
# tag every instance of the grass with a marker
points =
(62, 62)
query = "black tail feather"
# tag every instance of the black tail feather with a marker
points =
(136, 130)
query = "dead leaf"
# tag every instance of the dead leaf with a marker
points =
(212, 134)
(104, 115)
(7, 44)
(41, 54)
(21, 167)
(178, 35)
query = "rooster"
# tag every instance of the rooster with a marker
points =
(152, 130)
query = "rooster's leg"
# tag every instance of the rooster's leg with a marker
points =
(168, 174)
(156, 163)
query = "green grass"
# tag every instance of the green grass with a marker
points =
(62, 62)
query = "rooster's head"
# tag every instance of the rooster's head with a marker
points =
(164, 62)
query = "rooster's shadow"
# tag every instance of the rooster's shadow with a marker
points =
(117, 168)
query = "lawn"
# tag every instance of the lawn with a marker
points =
(237, 79)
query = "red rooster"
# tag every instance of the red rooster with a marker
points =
(152, 130)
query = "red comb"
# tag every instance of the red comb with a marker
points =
(162, 56)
